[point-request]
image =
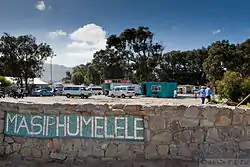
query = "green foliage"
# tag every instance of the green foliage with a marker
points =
(78, 78)
(22, 57)
(4, 82)
(67, 78)
(248, 105)
(233, 86)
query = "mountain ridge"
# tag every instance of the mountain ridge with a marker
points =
(58, 72)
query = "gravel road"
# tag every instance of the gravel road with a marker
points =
(182, 99)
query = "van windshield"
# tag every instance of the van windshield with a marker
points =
(131, 88)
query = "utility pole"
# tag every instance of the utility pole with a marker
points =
(51, 79)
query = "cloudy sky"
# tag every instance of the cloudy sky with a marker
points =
(77, 28)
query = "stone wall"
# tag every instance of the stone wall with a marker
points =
(178, 132)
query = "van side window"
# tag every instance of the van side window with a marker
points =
(75, 88)
(83, 88)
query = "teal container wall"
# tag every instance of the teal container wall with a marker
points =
(105, 86)
(167, 89)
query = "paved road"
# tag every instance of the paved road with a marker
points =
(182, 99)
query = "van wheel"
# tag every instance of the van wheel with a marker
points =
(113, 96)
(130, 97)
(99, 93)
(86, 97)
(68, 95)
(123, 96)
(82, 96)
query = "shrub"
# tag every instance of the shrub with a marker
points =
(4, 82)
(233, 86)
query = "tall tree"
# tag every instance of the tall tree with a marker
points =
(67, 78)
(138, 53)
(23, 57)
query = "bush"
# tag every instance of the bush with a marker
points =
(233, 86)
(4, 82)
(78, 78)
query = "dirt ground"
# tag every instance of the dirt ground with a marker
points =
(182, 99)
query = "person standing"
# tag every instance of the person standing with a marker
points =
(202, 94)
(208, 93)
(175, 93)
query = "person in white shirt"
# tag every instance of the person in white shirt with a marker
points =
(175, 93)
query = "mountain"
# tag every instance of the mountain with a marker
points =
(58, 72)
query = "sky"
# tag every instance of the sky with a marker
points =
(76, 29)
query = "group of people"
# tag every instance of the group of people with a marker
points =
(205, 93)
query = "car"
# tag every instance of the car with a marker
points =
(43, 92)
(95, 90)
(76, 91)
(122, 91)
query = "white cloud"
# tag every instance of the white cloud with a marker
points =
(217, 31)
(56, 34)
(85, 41)
(80, 46)
(41, 5)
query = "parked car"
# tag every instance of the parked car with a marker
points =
(95, 90)
(122, 91)
(43, 92)
(76, 91)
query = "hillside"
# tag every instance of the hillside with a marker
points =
(58, 72)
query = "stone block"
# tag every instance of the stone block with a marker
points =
(25, 152)
(189, 122)
(223, 117)
(235, 133)
(212, 136)
(8, 140)
(2, 114)
(198, 135)
(162, 138)
(151, 151)
(123, 152)
(192, 112)
(237, 118)
(244, 145)
(58, 156)
(20, 140)
(16, 147)
(163, 150)
(173, 125)
(183, 137)
(111, 150)
(206, 123)
(157, 123)
(36, 153)
(8, 150)
(117, 106)
(1, 126)
(173, 112)
(132, 108)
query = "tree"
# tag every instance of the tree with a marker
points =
(233, 86)
(132, 55)
(23, 57)
(4, 82)
(220, 59)
(67, 78)
(78, 78)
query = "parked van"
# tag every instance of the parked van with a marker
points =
(122, 91)
(76, 91)
(95, 90)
